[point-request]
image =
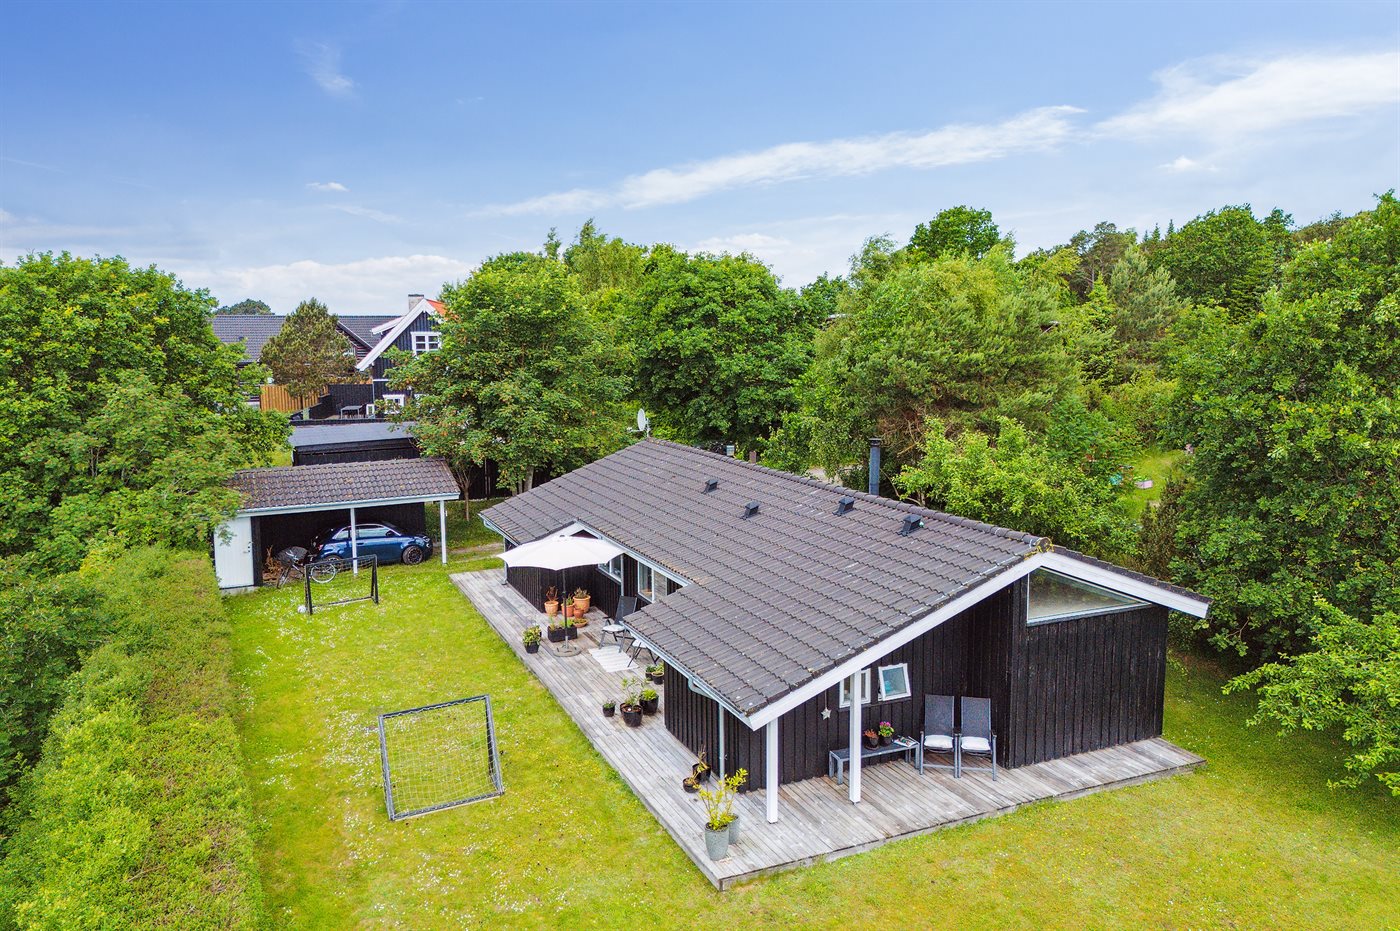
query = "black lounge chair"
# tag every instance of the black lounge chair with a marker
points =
(613, 628)
(938, 734)
(977, 737)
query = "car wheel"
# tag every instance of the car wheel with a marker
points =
(412, 555)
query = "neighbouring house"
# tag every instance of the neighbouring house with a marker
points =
(792, 614)
(254, 330)
(416, 331)
(288, 505)
(329, 441)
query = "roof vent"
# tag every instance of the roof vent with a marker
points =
(750, 509)
(912, 522)
(844, 505)
(710, 485)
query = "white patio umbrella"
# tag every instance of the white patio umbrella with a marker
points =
(561, 551)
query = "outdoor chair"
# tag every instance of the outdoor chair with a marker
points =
(938, 734)
(625, 606)
(978, 738)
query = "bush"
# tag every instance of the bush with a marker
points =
(137, 813)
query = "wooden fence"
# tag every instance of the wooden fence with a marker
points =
(277, 398)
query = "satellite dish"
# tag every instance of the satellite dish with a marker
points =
(643, 424)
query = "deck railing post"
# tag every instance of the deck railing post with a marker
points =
(853, 773)
(771, 783)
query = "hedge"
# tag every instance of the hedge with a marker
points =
(137, 814)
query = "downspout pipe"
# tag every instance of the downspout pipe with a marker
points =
(874, 482)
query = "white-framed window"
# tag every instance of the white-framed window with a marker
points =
(894, 682)
(645, 582)
(426, 341)
(845, 700)
(613, 569)
(1055, 597)
(392, 402)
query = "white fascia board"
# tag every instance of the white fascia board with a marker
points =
(697, 684)
(898, 639)
(396, 329)
(1126, 585)
(344, 505)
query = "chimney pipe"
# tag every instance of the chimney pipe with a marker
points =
(413, 300)
(874, 484)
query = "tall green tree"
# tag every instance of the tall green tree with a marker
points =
(1295, 483)
(246, 306)
(120, 411)
(961, 340)
(717, 346)
(960, 230)
(524, 376)
(309, 352)
(1227, 257)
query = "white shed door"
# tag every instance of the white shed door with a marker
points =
(233, 558)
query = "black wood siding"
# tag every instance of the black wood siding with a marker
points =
(1056, 689)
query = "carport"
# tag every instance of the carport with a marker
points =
(287, 505)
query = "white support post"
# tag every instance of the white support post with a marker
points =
(442, 530)
(354, 545)
(721, 739)
(853, 768)
(770, 790)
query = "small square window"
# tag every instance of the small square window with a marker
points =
(845, 698)
(894, 682)
(426, 342)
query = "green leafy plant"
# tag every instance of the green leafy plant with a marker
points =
(531, 635)
(886, 729)
(719, 801)
(648, 694)
(631, 692)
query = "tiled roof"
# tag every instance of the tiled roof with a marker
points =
(778, 598)
(257, 329)
(343, 483)
(362, 326)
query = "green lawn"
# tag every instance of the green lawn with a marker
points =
(1253, 840)
(1155, 464)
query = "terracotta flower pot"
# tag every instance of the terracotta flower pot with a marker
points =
(551, 608)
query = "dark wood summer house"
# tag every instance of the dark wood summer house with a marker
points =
(793, 614)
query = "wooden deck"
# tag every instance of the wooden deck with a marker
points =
(816, 821)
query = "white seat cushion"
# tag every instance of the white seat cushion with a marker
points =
(614, 628)
(938, 742)
(976, 745)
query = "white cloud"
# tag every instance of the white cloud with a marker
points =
(1034, 130)
(1222, 98)
(366, 286)
(329, 187)
(322, 62)
(1183, 165)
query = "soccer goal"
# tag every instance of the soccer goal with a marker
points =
(340, 580)
(439, 756)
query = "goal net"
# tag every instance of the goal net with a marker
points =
(439, 756)
(338, 580)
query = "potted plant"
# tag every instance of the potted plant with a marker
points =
(690, 785)
(551, 601)
(632, 702)
(886, 733)
(700, 770)
(649, 700)
(657, 673)
(568, 607)
(608, 708)
(872, 739)
(731, 786)
(531, 638)
(582, 601)
(721, 824)
(570, 630)
(556, 631)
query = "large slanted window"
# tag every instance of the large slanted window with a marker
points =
(1055, 597)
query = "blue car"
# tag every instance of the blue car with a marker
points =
(386, 541)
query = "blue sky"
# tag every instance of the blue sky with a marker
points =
(359, 152)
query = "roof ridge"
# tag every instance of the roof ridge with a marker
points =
(905, 506)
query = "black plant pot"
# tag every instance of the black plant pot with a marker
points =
(701, 775)
(571, 633)
(631, 716)
(884, 741)
(556, 635)
(649, 705)
(690, 785)
(871, 743)
(609, 711)
(532, 647)
(658, 679)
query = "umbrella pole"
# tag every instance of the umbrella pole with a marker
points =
(567, 648)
